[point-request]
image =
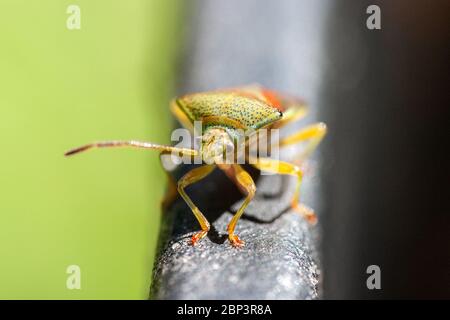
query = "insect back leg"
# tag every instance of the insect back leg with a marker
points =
(281, 167)
(189, 178)
(245, 183)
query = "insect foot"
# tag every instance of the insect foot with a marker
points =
(198, 236)
(235, 241)
(306, 212)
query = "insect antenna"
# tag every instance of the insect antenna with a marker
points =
(134, 144)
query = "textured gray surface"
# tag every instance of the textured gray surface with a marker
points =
(277, 261)
(277, 44)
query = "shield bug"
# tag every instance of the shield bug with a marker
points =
(224, 114)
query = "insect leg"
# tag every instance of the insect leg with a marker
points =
(244, 181)
(180, 115)
(172, 192)
(282, 167)
(293, 113)
(135, 144)
(313, 134)
(191, 177)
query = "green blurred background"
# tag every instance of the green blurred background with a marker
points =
(60, 88)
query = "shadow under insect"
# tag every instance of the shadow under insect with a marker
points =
(217, 195)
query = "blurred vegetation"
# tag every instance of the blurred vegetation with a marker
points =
(60, 88)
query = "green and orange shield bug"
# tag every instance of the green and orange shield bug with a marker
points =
(224, 114)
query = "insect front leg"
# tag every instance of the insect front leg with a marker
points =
(281, 167)
(313, 134)
(172, 191)
(180, 115)
(293, 113)
(244, 182)
(189, 178)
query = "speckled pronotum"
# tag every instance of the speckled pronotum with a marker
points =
(223, 113)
